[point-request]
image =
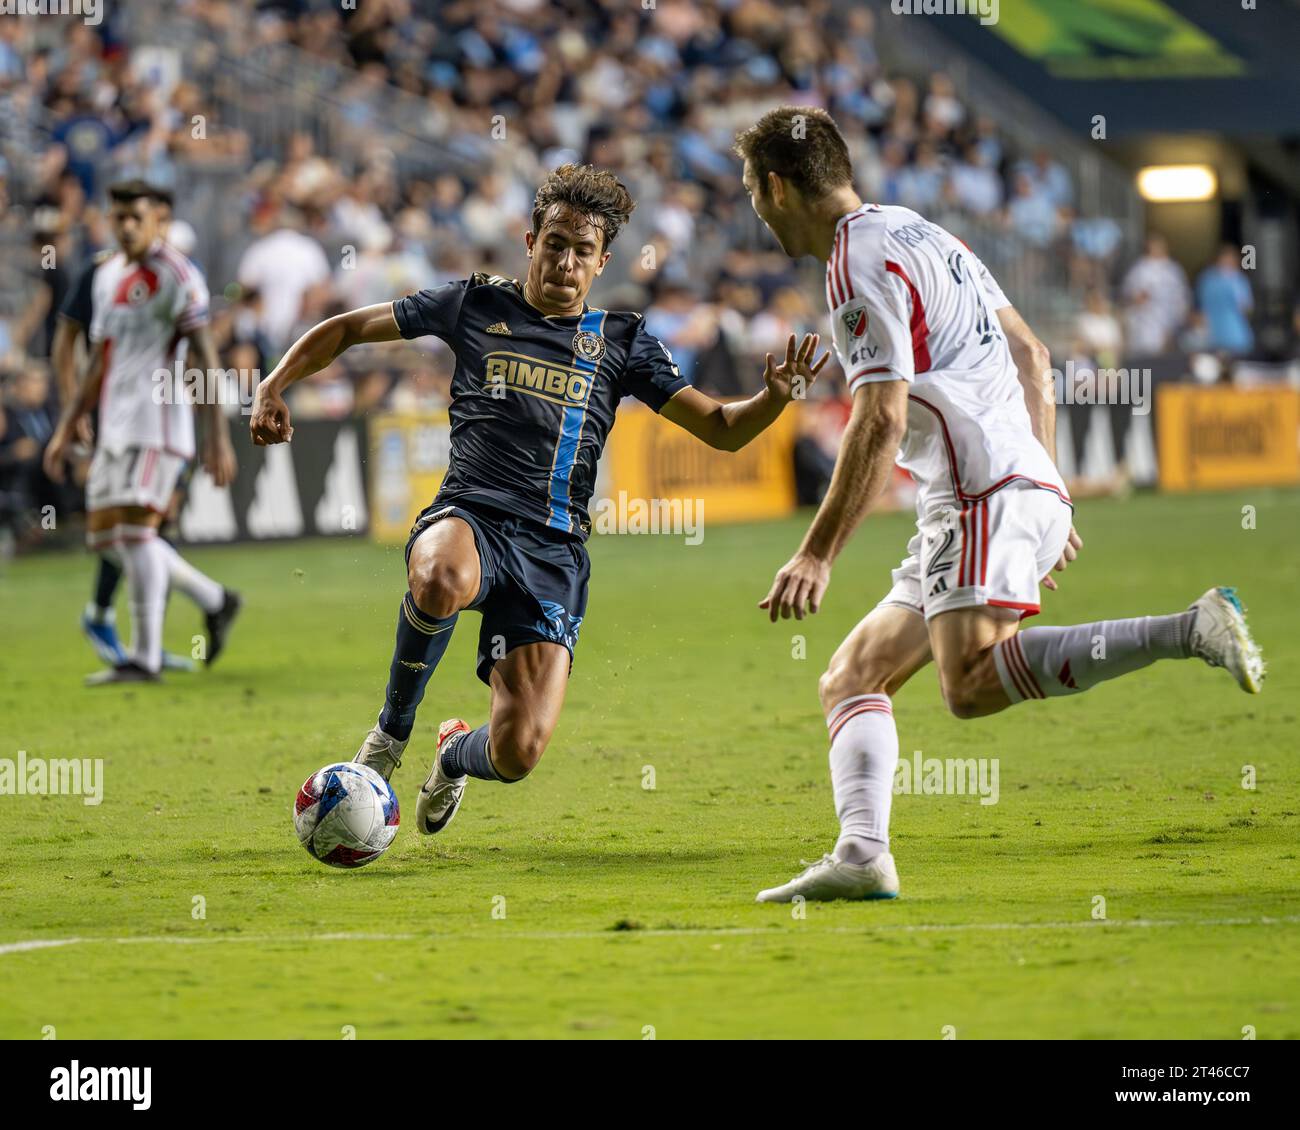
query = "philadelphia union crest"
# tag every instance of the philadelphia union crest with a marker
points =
(589, 346)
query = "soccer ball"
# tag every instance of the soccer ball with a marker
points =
(345, 815)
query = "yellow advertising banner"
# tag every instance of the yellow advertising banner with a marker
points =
(408, 459)
(649, 458)
(1221, 437)
(647, 461)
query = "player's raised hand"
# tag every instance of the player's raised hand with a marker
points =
(270, 420)
(792, 379)
(799, 585)
(1073, 544)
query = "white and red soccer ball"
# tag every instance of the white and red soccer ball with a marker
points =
(346, 815)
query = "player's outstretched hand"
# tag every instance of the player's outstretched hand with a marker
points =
(799, 585)
(1073, 544)
(792, 379)
(270, 420)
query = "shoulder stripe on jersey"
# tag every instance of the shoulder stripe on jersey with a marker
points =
(164, 251)
(832, 281)
(839, 277)
(840, 267)
(177, 262)
(920, 330)
(846, 279)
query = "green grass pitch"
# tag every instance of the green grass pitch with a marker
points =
(582, 904)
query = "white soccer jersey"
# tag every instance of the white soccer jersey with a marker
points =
(142, 311)
(909, 301)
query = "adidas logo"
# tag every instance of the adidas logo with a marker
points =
(498, 328)
(940, 586)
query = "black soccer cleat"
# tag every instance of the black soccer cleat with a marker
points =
(219, 622)
(128, 672)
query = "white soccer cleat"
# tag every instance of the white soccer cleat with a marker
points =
(381, 752)
(831, 878)
(1220, 637)
(440, 795)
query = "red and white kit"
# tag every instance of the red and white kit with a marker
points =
(909, 301)
(145, 432)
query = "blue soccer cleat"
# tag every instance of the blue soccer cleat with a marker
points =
(101, 631)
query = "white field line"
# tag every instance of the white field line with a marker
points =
(776, 932)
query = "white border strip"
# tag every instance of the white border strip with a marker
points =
(775, 932)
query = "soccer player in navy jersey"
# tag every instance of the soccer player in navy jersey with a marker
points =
(538, 377)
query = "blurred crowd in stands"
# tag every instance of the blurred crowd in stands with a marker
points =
(499, 91)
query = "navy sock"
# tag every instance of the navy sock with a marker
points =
(106, 581)
(421, 641)
(468, 756)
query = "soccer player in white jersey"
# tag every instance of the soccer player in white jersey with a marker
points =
(98, 621)
(146, 300)
(946, 376)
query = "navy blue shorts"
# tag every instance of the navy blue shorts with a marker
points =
(534, 587)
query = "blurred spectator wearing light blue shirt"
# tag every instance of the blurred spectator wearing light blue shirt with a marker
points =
(1223, 294)
(1049, 178)
(1031, 214)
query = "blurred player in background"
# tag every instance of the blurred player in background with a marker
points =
(98, 620)
(145, 300)
(946, 376)
(539, 375)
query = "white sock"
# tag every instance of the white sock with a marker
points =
(1046, 662)
(146, 579)
(864, 754)
(98, 615)
(198, 586)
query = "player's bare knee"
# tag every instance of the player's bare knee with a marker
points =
(517, 756)
(964, 685)
(438, 587)
(962, 700)
(844, 679)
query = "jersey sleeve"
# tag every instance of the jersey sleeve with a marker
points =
(190, 307)
(650, 373)
(77, 302)
(871, 314)
(433, 312)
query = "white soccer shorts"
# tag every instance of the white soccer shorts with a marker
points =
(992, 551)
(138, 476)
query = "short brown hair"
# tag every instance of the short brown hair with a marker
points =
(802, 144)
(591, 192)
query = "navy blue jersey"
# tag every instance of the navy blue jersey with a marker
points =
(77, 302)
(533, 397)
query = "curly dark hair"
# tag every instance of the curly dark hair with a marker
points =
(801, 144)
(591, 192)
